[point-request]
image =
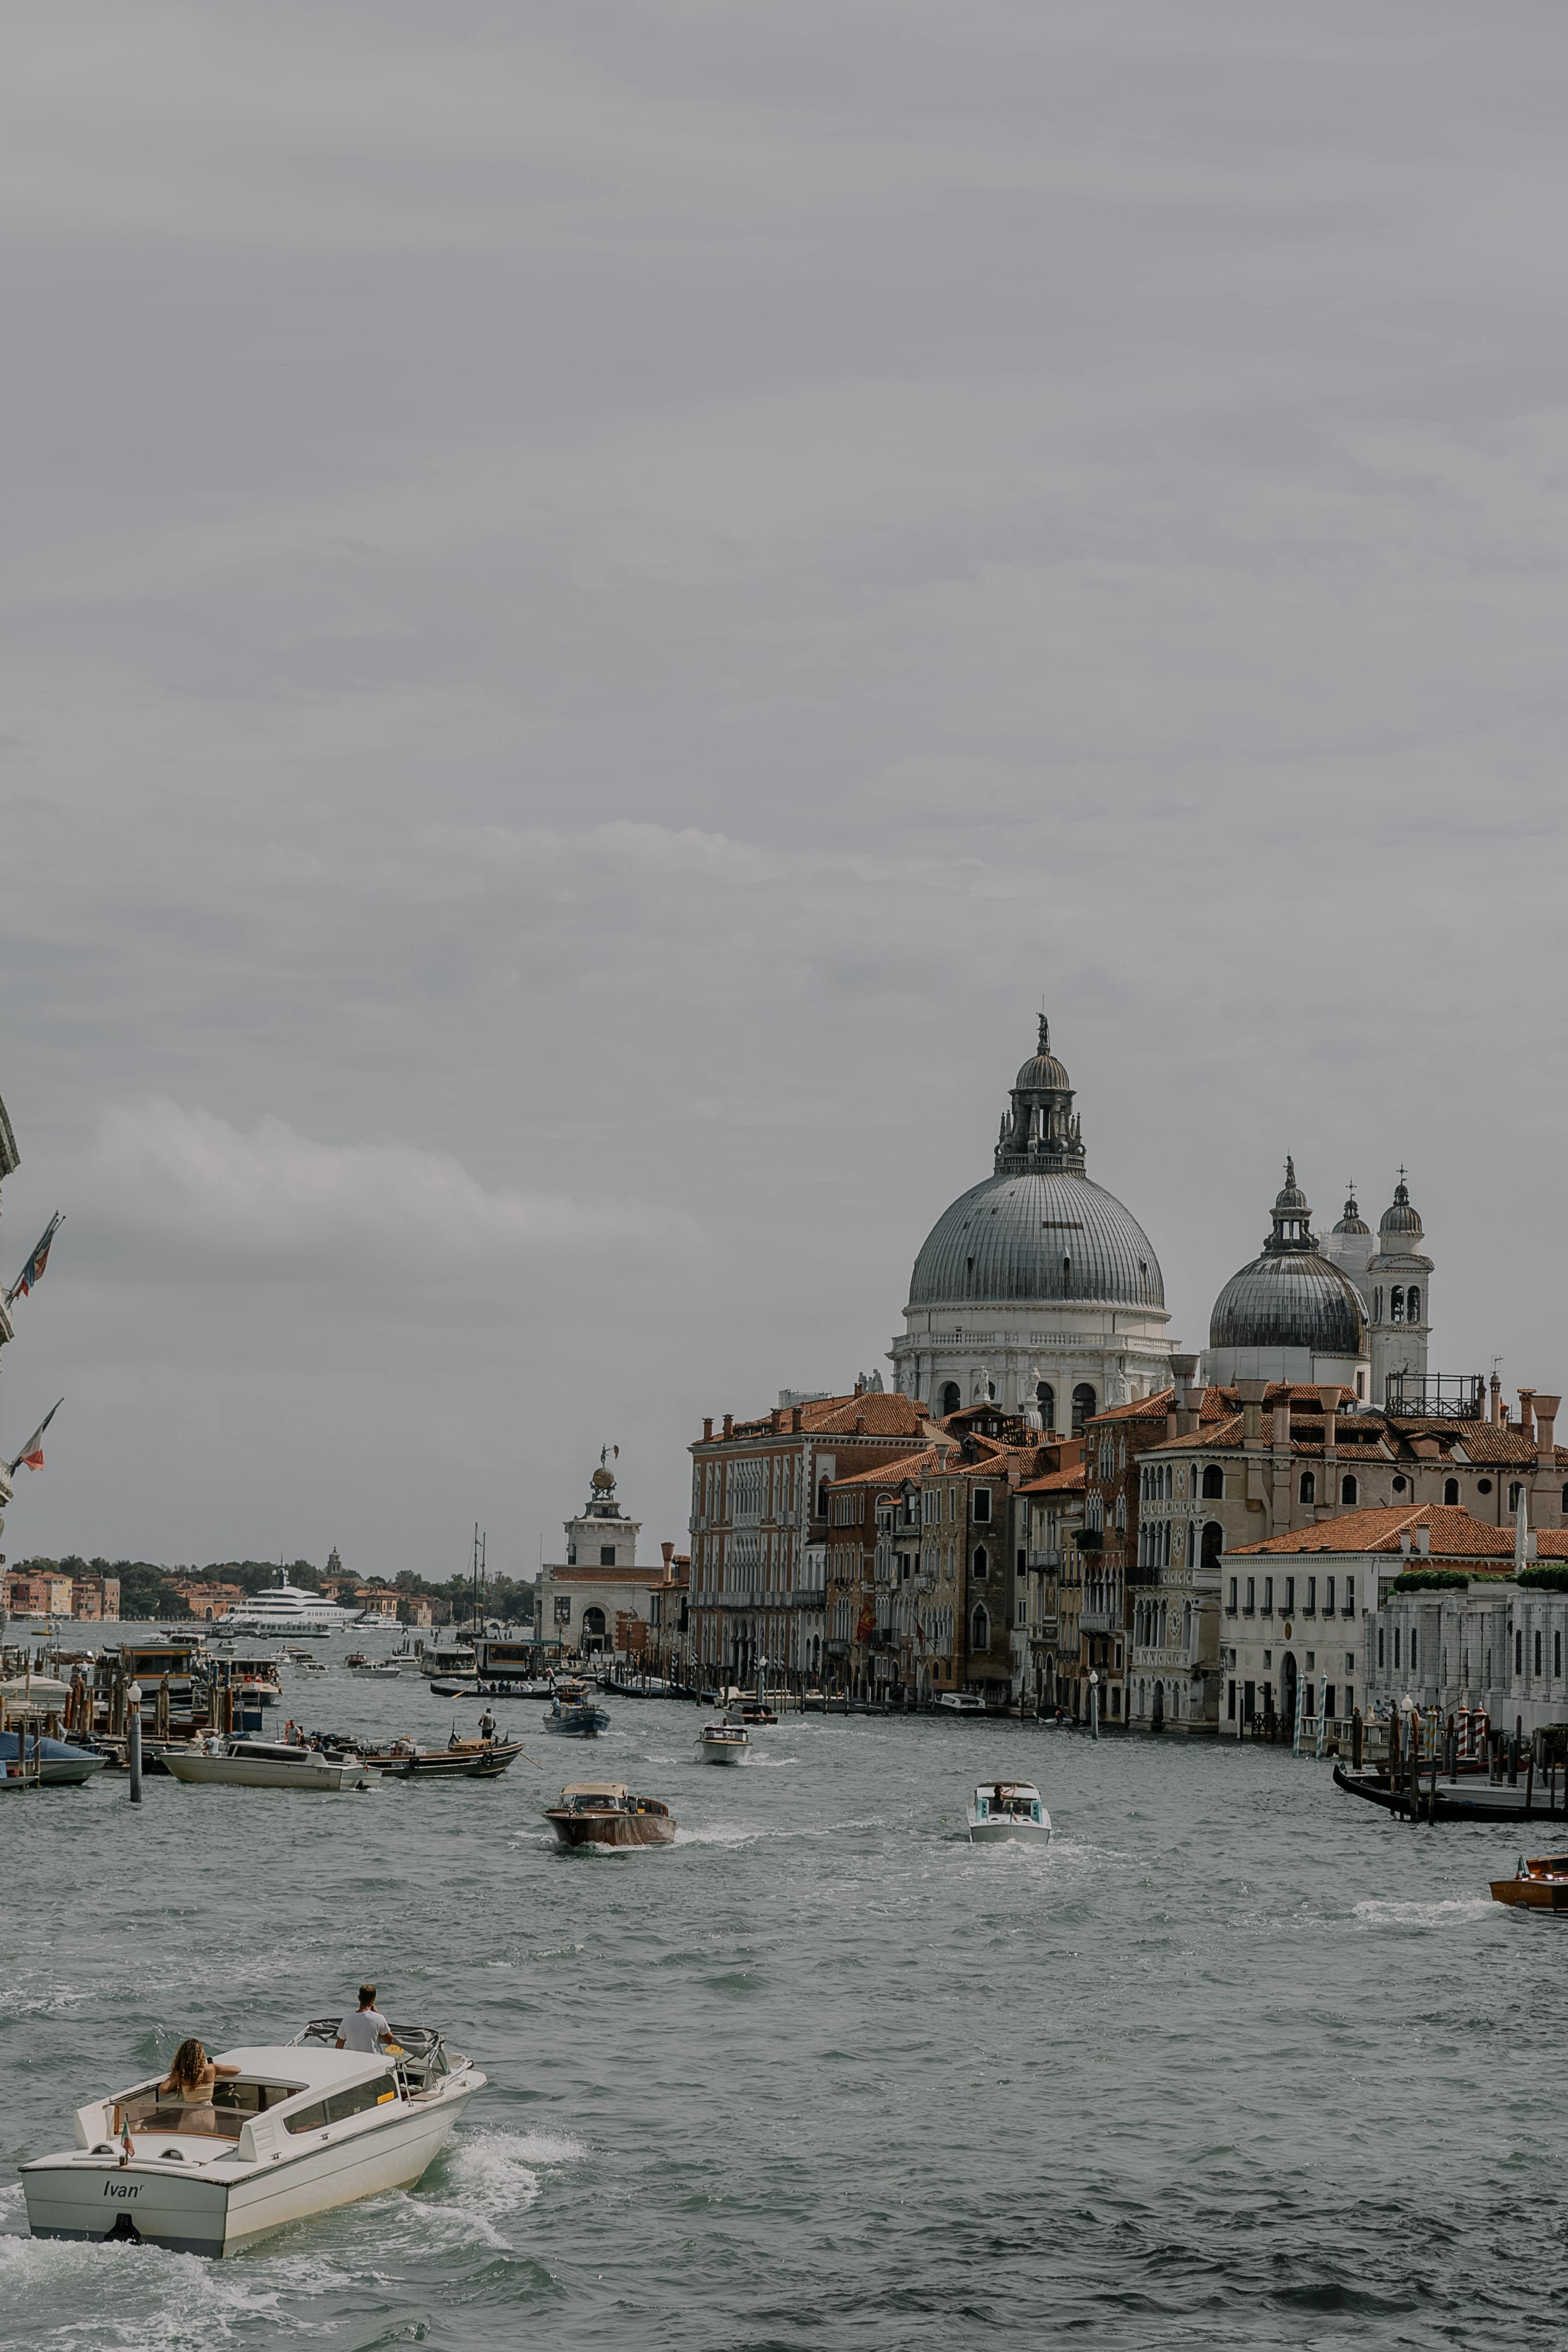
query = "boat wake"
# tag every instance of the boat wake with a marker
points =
(1384, 1912)
(484, 2181)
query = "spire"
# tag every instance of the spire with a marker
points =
(1040, 1133)
(1290, 1218)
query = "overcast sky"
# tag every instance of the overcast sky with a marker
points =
(601, 599)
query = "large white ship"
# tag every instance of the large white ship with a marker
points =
(284, 1611)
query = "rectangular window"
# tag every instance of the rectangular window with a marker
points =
(1350, 1596)
(982, 1504)
(1328, 1596)
(606, 1555)
(1312, 1604)
(1248, 1702)
(308, 2119)
(1348, 1699)
(1290, 1596)
(1412, 1648)
(1538, 1654)
(1230, 1709)
(1380, 1659)
(1268, 1596)
(1330, 1710)
(1396, 1649)
(1252, 1588)
(1115, 1699)
(1557, 1653)
(1518, 1653)
(1231, 1609)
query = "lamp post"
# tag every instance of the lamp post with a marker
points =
(1094, 1702)
(134, 1740)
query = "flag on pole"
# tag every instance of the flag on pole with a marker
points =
(32, 1453)
(34, 1270)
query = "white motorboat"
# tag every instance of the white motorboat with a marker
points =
(301, 2129)
(381, 1668)
(305, 1664)
(724, 1743)
(960, 1703)
(1004, 1811)
(266, 1764)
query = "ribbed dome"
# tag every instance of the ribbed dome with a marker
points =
(1044, 1075)
(1352, 1222)
(1036, 1237)
(1296, 1299)
(1399, 1217)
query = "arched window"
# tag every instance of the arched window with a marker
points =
(1309, 1486)
(979, 1630)
(1348, 1490)
(1083, 1407)
(1377, 1305)
(1514, 1492)
(593, 1624)
(952, 1397)
(1213, 1544)
(982, 1564)
(1213, 1483)
(1045, 1397)
(1451, 1490)
(1397, 1304)
(822, 1500)
(1413, 1305)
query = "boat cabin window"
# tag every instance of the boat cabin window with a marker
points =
(308, 2119)
(361, 2098)
(234, 2104)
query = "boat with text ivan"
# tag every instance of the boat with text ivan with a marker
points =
(1002, 1812)
(267, 1764)
(724, 1743)
(1538, 1885)
(296, 2130)
(574, 1713)
(605, 1812)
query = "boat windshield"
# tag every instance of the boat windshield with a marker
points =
(233, 2106)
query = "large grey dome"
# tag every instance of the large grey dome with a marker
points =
(1299, 1300)
(1037, 1236)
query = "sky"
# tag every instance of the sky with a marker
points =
(600, 601)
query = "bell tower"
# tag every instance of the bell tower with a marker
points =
(1399, 1281)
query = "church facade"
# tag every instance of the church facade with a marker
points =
(1037, 1290)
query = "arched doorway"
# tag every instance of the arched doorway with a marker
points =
(1213, 1543)
(951, 1399)
(1083, 1407)
(1158, 1719)
(593, 1629)
(1288, 1695)
(1045, 1398)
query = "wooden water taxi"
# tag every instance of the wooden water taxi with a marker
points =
(1538, 1885)
(724, 1742)
(605, 1812)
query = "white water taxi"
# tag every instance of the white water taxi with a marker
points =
(724, 1743)
(303, 2128)
(266, 1764)
(1002, 1811)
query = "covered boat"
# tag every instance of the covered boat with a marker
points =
(28, 1755)
(722, 1742)
(605, 1812)
(1002, 1812)
(574, 1713)
(301, 2128)
(267, 1764)
(1538, 1885)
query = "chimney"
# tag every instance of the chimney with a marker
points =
(1423, 1539)
(1329, 1399)
(1186, 1398)
(942, 1457)
(669, 1551)
(1527, 1411)
(794, 1420)
(1405, 1543)
(729, 1425)
(1546, 1430)
(1252, 1393)
(1496, 1401)
(1173, 1420)
(708, 1426)
(1282, 1422)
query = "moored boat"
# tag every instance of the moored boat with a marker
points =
(1541, 1884)
(460, 1760)
(605, 1812)
(1003, 1812)
(722, 1742)
(52, 1763)
(267, 1764)
(300, 2128)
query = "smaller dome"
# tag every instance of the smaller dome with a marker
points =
(1291, 1195)
(1295, 1301)
(1399, 1217)
(1044, 1074)
(1352, 1221)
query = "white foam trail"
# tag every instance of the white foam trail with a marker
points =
(1386, 1912)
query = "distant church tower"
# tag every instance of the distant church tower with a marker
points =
(1399, 1279)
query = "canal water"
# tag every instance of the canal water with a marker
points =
(1235, 2062)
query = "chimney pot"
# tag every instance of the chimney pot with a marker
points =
(1423, 1539)
(729, 1425)
(708, 1426)
(1545, 1429)
(1527, 1411)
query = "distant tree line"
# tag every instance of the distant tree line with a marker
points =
(147, 1588)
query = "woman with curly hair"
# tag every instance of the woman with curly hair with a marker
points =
(188, 2085)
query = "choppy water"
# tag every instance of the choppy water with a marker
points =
(1234, 2062)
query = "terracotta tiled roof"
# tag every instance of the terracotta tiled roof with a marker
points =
(1455, 1535)
(1058, 1481)
(1149, 1408)
(1482, 1442)
(886, 1413)
(890, 1474)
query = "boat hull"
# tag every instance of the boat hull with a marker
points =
(235, 1772)
(610, 1828)
(187, 2211)
(1481, 1800)
(1531, 1894)
(727, 1751)
(581, 1723)
(1006, 1832)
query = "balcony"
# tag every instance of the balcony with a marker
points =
(1043, 1559)
(1100, 1621)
